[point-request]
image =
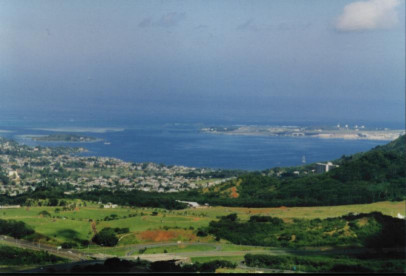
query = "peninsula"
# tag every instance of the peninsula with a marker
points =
(64, 138)
(337, 132)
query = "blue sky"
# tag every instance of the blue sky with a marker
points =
(273, 60)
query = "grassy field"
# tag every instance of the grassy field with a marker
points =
(233, 259)
(179, 248)
(165, 226)
(386, 208)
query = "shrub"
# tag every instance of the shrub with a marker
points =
(68, 245)
(44, 213)
(121, 230)
(106, 237)
(201, 233)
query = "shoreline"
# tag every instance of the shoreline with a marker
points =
(364, 135)
(33, 137)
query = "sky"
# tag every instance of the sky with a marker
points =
(230, 60)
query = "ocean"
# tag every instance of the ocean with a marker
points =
(185, 144)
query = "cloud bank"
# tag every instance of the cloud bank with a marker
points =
(368, 15)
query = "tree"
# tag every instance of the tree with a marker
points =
(106, 237)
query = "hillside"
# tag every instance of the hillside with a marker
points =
(372, 230)
(376, 175)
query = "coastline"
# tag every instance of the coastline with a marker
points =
(372, 135)
(33, 137)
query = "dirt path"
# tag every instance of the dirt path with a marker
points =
(94, 227)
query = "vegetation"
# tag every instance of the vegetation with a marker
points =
(134, 198)
(206, 267)
(74, 226)
(117, 265)
(376, 175)
(376, 264)
(17, 256)
(372, 230)
(52, 194)
(106, 237)
(16, 229)
(73, 222)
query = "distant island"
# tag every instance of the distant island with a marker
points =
(337, 132)
(65, 138)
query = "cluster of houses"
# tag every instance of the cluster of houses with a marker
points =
(109, 205)
(26, 167)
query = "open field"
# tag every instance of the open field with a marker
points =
(149, 225)
(385, 207)
(164, 233)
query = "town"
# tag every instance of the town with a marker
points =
(23, 168)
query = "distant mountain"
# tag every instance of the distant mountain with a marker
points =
(376, 175)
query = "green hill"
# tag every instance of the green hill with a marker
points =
(376, 175)
(373, 230)
(398, 145)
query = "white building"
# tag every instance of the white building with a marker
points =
(190, 203)
(110, 205)
(322, 168)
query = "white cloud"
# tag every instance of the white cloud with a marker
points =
(368, 15)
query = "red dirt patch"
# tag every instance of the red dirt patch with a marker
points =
(196, 219)
(157, 235)
(166, 235)
(234, 193)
